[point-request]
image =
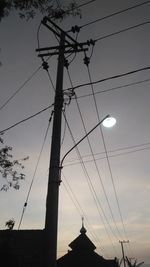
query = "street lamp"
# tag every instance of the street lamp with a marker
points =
(107, 121)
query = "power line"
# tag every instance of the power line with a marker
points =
(88, 179)
(110, 156)
(105, 148)
(108, 162)
(95, 197)
(109, 78)
(93, 192)
(26, 119)
(75, 7)
(91, 187)
(20, 88)
(121, 31)
(86, 3)
(95, 163)
(36, 167)
(113, 14)
(79, 208)
(114, 88)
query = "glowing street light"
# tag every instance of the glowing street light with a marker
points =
(109, 122)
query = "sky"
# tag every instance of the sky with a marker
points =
(111, 193)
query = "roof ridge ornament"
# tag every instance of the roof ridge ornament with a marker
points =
(82, 230)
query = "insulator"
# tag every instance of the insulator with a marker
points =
(66, 63)
(92, 42)
(86, 61)
(45, 65)
(75, 29)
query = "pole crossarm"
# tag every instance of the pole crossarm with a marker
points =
(68, 43)
(58, 46)
(65, 52)
(44, 22)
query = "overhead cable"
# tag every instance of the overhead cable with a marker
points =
(20, 88)
(110, 156)
(114, 14)
(79, 208)
(36, 167)
(95, 163)
(113, 88)
(26, 119)
(109, 78)
(92, 190)
(106, 153)
(121, 31)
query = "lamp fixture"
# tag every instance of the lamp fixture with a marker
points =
(109, 122)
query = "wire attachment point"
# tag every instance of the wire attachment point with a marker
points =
(91, 42)
(66, 63)
(75, 29)
(45, 65)
(86, 60)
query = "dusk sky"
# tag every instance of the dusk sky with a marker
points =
(112, 194)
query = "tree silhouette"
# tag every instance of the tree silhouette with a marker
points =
(10, 224)
(134, 264)
(29, 8)
(10, 168)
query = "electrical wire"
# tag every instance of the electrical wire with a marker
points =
(64, 133)
(114, 88)
(38, 33)
(20, 88)
(80, 209)
(26, 119)
(114, 14)
(109, 78)
(106, 153)
(93, 192)
(91, 188)
(75, 51)
(34, 174)
(81, 5)
(121, 31)
(95, 163)
(86, 3)
(110, 156)
(95, 197)
(105, 149)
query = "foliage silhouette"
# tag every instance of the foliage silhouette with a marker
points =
(10, 168)
(134, 264)
(29, 8)
(10, 224)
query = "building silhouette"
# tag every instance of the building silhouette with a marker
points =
(83, 253)
(26, 248)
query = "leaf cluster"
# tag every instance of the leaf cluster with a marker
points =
(27, 9)
(10, 168)
(10, 224)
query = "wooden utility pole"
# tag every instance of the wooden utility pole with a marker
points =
(51, 220)
(122, 248)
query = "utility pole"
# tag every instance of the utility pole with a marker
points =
(54, 179)
(67, 45)
(122, 248)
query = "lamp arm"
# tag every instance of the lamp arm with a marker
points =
(82, 139)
